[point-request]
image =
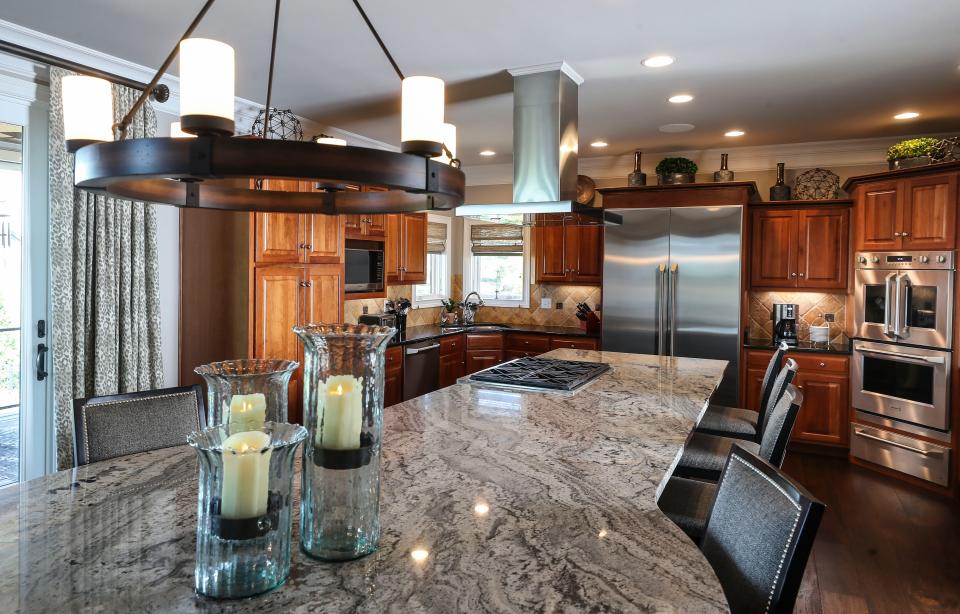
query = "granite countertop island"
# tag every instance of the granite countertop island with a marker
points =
(524, 501)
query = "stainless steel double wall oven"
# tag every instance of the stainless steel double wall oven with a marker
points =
(902, 355)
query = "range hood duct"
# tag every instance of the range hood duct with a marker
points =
(545, 144)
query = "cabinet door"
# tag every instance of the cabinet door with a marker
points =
(393, 376)
(823, 248)
(392, 245)
(477, 360)
(322, 238)
(585, 254)
(278, 237)
(451, 369)
(376, 225)
(823, 416)
(278, 296)
(551, 261)
(352, 226)
(929, 212)
(324, 294)
(878, 216)
(413, 253)
(753, 388)
(773, 253)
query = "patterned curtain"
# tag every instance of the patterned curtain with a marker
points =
(104, 303)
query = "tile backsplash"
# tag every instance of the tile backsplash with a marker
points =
(812, 306)
(568, 295)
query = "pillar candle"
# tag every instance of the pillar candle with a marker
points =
(246, 475)
(340, 418)
(248, 412)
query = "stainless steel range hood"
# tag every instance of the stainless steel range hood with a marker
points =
(544, 146)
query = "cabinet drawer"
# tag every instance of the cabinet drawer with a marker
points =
(512, 354)
(451, 345)
(394, 358)
(528, 343)
(915, 457)
(758, 358)
(478, 342)
(482, 359)
(811, 363)
(573, 343)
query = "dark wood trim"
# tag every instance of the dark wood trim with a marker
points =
(683, 195)
(932, 169)
(802, 204)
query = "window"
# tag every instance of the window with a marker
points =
(437, 287)
(495, 263)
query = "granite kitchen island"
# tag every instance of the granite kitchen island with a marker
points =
(521, 500)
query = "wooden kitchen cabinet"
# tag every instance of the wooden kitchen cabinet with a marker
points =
(567, 252)
(574, 343)
(296, 237)
(477, 360)
(367, 225)
(405, 258)
(452, 360)
(912, 213)
(393, 376)
(804, 248)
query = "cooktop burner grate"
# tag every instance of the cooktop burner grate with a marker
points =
(544, 373)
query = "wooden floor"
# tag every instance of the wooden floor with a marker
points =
(883, 546)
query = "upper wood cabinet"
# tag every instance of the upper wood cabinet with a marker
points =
(296, 237)
(368, 225)
(567, 252)
(906, 214)
(405, 257)
(805, 247)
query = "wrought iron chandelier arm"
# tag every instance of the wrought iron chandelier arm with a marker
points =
(273, 57)
(124, 123)
(376, 35)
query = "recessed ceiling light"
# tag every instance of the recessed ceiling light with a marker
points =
(658, 61)
(598, 144)
(906, 115)
(669, 128)
(734, 133)
(486, 153)
(680, 98)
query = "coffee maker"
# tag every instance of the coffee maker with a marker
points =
(784, 318)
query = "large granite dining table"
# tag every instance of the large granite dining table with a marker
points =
(523, 501)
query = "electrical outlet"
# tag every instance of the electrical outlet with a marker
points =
(546, 302)
(559, 305)
(366, 310)
(829, 317)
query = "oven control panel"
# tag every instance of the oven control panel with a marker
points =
(906, 260)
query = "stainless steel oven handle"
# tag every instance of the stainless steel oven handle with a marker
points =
(425, 348)
(897, 444)
(934, 360)
(903, 326)
(888, 305)
(661, 308)
(674, 279)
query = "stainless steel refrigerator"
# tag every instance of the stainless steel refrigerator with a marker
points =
(671, 286)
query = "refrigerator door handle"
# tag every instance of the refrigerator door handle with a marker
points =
(674, 278)
(661, 308)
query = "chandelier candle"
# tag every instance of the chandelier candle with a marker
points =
(343, 405)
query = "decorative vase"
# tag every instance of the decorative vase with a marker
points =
(244, 505)
(343, 412)
(637, 177)
(676, 178)
(723, 174)
(910, 162)
(448, 318)
(247, 391)
(780, 190)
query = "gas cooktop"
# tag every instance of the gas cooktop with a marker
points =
(542, 374)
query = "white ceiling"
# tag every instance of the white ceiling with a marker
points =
(795, 71)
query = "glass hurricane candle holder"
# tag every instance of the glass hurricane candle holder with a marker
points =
(343, 411)
(244, 507)
(247, 392)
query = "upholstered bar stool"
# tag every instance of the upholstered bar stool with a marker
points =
(758, 530)
(703, 455)
(738, 422)
(120, 424)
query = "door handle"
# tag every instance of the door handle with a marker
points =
(888, 306)
(897, 444)
(426, 348)
(674, 280)
(903, 305)
(661, 315)
(933, 360)
(42, 362)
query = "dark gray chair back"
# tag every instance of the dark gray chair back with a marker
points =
(780, 421)
(769, 381)
(759, 534)
(120, 424)
(777, 387)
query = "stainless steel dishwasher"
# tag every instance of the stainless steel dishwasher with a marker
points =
(421, 368)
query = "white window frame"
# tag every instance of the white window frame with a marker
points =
(436, 301)
(470, 273)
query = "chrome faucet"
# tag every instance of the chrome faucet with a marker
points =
(470, 309)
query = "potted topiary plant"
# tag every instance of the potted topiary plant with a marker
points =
(448, 315)
(676, 170)
(912, 152)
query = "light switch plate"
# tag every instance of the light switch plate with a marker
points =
(546, 302)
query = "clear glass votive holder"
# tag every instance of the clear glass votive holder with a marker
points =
(247, 391)
(244, 508)
(343, 412)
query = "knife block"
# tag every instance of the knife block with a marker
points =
(591, 324)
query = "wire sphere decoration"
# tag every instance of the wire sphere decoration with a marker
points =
(284, 125)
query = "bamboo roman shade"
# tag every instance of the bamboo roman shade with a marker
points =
(436, 237)
(496, 239)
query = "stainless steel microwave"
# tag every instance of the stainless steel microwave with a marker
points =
(364, 266)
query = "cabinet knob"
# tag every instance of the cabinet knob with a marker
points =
(801, 274)
(823, 364)
(793, 274)
(308, 246)
(904, 234)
